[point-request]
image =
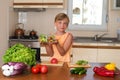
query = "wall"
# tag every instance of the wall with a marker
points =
(6, 20)
(3, 27)
(12, 18)
(43, 22)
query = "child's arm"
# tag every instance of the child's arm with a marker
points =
(67, 44)
(49, 49)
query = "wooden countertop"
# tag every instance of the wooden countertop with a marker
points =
(89, 42)
(61, 73)
(96, 45)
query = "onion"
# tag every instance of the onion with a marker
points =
(20, 65)
(6, 73)
(13, 68)
(16, 72)
(5, 67)
(12, 63)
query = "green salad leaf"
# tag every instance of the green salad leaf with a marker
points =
(43, 38)
(20, 53)
(82, 62)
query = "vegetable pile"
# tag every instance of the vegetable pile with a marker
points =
(20, 53)
(13, 68)
(102, 71)
(51, 38)
(38, 68)
(79, 70)
(107, 70)
(46, 39)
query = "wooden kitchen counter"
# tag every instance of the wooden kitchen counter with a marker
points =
(96, 45)
(60, 73)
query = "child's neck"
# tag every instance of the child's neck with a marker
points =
(60, 33)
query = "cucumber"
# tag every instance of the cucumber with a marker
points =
(78, 71)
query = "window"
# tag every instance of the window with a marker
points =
(88, 14)
(116, 4)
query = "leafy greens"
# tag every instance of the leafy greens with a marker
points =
(20, 53)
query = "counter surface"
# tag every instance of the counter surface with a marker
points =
(61, 73)
(89, 42)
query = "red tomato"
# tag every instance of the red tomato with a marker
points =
(44, 69)
(39, 66)
(35, 70)
(54, 61)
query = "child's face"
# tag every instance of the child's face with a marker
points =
(61, 25)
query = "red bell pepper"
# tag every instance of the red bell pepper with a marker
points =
(103, 71)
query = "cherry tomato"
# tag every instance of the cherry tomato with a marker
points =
(54, 61)
(35, 70)
(44, 69)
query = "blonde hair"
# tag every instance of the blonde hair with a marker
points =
(61, 16)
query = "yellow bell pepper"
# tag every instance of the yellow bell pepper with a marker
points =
(110, 66)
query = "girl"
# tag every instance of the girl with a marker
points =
(61, 48)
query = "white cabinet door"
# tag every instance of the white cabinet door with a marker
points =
(89, 54)
(43, 51)
(109, 55)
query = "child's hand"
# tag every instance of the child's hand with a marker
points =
(54, 42)
(43, 44)
(47, 40)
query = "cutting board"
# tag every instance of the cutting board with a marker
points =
(71, 65)
(50, 64)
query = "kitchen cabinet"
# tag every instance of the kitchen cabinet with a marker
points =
(27, 1)
(53, 3)
(44, 56)
(85, 54)
(109, 55)
(38, 3)
(101, 52)
(86, 51)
